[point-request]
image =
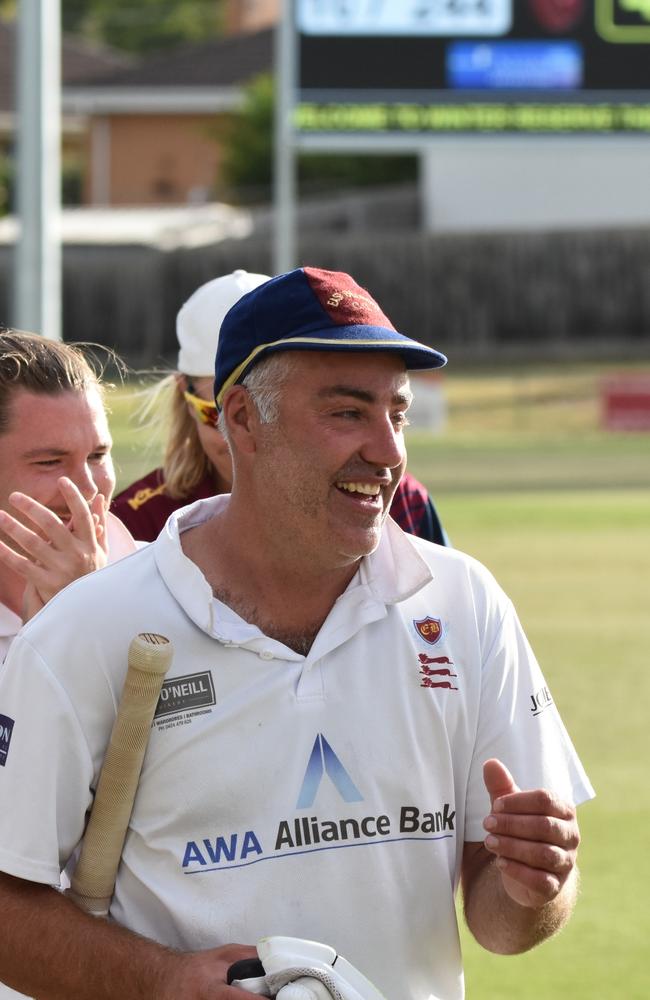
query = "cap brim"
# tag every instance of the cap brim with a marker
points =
(360, 339)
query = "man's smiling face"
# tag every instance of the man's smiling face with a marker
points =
(49, 436)
(329, 466)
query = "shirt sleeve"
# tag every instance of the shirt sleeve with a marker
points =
(46, 770)
(520, 725)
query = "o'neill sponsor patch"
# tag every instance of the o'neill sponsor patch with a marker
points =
(6, 729)
(429, 629)
(186, 694)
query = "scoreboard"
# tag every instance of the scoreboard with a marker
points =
(435, 67)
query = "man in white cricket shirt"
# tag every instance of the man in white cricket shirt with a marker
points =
(56, 479)
(354, 724)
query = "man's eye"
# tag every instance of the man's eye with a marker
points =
(45, 463)
(400, 420)
(98, 456)
(349, 414)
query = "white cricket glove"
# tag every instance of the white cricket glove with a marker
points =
(297, 969)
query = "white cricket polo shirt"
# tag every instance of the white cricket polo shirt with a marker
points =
(325, 796)
(10, 622)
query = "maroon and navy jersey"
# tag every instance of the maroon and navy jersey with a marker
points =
(144, 506)
(414, 511)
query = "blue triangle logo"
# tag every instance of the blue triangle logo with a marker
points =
(323, 760)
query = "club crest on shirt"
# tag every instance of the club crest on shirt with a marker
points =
(434, 670)
(429, 629)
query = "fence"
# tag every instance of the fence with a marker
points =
(479, 298)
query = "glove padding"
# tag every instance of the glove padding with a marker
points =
(305, 988)
(310, 983)
(297, 969)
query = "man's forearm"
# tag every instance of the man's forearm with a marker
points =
(51, 950)
(500, 924)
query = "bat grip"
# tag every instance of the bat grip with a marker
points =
(93, 881)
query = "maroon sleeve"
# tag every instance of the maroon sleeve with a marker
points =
(414, 511)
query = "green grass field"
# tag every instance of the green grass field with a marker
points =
(559, 510)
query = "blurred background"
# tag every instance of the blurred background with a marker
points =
(484, 169)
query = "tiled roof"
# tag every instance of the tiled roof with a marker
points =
(80, 61)
(215, 63)
(218, 62)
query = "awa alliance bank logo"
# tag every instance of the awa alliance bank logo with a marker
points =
(322, 761)
(305, 834)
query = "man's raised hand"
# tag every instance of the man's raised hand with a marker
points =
(534, 836)
(53, 552)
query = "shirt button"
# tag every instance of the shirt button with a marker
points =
(266, 654)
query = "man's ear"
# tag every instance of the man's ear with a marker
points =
(242, 419)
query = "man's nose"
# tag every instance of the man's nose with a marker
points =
(385, 445)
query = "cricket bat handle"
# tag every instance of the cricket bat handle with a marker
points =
(93, 881)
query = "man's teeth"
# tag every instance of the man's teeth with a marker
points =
(370, 489)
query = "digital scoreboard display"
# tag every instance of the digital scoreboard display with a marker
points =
(468, 66)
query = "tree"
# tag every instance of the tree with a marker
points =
(5, 183)
(247, 159)
(144, 26)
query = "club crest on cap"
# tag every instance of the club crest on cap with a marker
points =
(308, 309)
(343, 300)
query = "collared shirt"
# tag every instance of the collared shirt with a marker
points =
(280, 792)
(10, 622)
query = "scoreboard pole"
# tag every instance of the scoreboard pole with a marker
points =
(284, 159)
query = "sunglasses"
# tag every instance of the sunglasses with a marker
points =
(206, 411)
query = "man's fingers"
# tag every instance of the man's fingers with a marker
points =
(542, 856)
(29, 541)
(36, 577)
(54, 553)
(534, 835)
(498, 779)
(539, 886)
(539, 802)
(12, 560)
(99, 511)
(83, 524)
(47, 525)
(557, 826)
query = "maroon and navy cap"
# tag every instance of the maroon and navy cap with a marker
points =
(308, 310)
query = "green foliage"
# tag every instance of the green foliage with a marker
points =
(247, 139)
(247, 162)
(144, 26)
(5, 183)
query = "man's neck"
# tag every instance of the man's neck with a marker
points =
(286, 602)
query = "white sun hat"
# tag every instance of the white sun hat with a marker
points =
(199, 319)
